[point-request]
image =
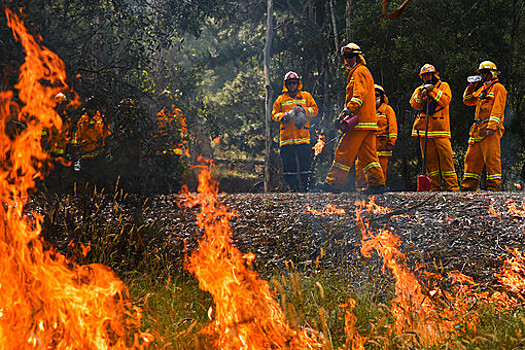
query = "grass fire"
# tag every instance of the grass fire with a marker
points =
(115, 233)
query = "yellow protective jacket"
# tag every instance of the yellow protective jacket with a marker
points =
(90, 135)
(490, 107)
(172, 131)
(386, 128)
(290, 134)
(439, 123)
(360, 97)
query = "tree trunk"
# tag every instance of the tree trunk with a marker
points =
(334, 26)
(269, 94)
(348, 17)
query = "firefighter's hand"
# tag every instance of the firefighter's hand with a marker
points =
(490, 132)
(345, 112)
(389, 146)
(299, 108)
(423, 91)
(286, 117)
(429, 87)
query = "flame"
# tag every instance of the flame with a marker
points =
(46, 301)
(318, 148)
(413, 307)
(215, 141)
(245, 316)
(354, 340)
(517, 185)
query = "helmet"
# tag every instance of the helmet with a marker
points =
(380, 88)
(291, 75)
(351, 48)
(166, 94)
(427, 68)
(487, 65)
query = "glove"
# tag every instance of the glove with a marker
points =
(299, 109)
(286, 117)
(429, 87)
(423, 91)
(345, 112)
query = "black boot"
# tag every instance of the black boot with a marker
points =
(324, 187)
(375, 190)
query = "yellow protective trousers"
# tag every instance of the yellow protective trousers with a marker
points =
(439, 164)
(356, 143)
(360, 179)
(485, 152)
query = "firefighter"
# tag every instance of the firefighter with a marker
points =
(489, 96)
(55, 143)
(360, 141)
(294, 109)
(170, 139)
(386, 135)
(90, 137)
(434, 95)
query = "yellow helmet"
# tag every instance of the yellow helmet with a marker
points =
(379, 87)
(489, 65)
(427, 68)
(351, 48)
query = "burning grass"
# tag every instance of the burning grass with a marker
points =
(344, 272)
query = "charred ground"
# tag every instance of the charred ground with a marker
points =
(439, 232)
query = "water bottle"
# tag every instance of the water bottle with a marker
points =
(474, 79)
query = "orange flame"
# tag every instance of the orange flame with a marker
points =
(318, 148)
(413, 308)
(46, 301)
(246, 316)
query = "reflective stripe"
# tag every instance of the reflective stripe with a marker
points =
(475, 139)
(495, 119)
(495, 176)
(356, 100)
(431, 133)
(448, 173)
(341, 166)
(294, 141)
(384, 153)
(434, 173)
(466, 97)
(392, 135)
(367, 126)
(439, 95)
(490, 94)
(475, 176)
(293, 102)
(371, 165)
(417, 100)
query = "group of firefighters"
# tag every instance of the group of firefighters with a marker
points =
(85, 143)
(369, 130)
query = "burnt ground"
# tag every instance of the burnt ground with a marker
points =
(443, 231)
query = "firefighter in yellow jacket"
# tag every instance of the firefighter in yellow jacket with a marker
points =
(434, 95)
(386, 135)
(91, 132)
(360, 141)
(294, 109)
(489, 96)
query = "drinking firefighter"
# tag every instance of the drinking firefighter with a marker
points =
(294, 109)
(432, 99)
(489, 96)
(358, 122)
(386, 135)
